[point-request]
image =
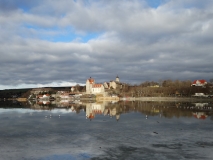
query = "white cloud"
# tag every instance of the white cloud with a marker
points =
(133, 41)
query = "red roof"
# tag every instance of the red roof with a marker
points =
(97, 86)
(97, 111)
(91, 80)
(200, 115)
(202, 81)
(91, 116)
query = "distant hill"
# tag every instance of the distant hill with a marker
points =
(25, 92)
(13, 93)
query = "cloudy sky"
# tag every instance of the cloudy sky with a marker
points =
(61, 43)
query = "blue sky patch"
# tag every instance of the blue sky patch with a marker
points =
(70, 36)
(56, 34)
(24, 9)
(155, 3)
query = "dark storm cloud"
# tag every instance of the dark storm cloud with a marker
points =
(134, 41)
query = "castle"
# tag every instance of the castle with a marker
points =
(93, 88)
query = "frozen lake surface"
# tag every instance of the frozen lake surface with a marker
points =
(130, 130)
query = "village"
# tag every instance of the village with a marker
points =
(116, 90)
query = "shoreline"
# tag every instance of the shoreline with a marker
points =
(183, 99)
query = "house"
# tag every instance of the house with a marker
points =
(200, 83)
(72, 89)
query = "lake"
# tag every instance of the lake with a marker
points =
(106, 130)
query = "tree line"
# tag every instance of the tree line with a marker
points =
(164, 88)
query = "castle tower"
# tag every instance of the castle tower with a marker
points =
(117, 117)
(89, 84)
(117, 79)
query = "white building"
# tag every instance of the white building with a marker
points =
(92, 88)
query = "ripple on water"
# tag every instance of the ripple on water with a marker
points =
(82, 156)
(204, 144)
(168, 146)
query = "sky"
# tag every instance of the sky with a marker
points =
(63, 43)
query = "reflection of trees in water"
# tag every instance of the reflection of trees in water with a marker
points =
(166, 109)
(10, 104)
(211, 117)
(79, 108)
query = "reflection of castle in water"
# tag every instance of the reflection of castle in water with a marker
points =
(93, 109)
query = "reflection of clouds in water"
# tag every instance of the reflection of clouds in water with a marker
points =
(75, 137)
(23, 110)
(157, 151)
(51, 139)
(18, 110)
(81, 147)
(63, 111)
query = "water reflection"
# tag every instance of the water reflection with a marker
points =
(145, 130)
(104, 108)
(200, 115)
(116, 109)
